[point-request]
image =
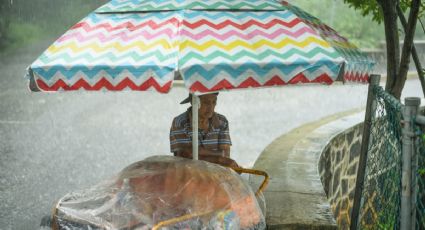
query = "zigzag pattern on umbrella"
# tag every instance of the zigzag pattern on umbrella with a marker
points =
(147, 27)
(86, 35)
(249, 35)
(163, 72)
(228, 73)
(118, 78)
(265, 20)
(112, 43)
(210, 75)
(102, 34)
(107, 51)
(251, 82)
(248, 46)
(127, 84)
(104, 37)
(306, 49)
(160, 71)
(290, 55)
(164, 45)
(223, 52)
(88, 52)
(104, 84)
(356, 60)
(127, 59)
(68, 74)
(160, 5)
(358, 71)
(136, 17)
(229, 22)
(238, 15)
(356, 76)
(122, 34)
(119, 47)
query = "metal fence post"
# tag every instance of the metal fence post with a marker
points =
(407, 212)
(418, 181)
(195, 108)
(369, 114)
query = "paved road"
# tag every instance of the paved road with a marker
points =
(51, 144)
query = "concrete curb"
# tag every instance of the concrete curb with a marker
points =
(295, 198)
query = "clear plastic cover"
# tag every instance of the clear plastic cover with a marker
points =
(164, 192)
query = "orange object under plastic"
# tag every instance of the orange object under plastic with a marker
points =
(161, 188)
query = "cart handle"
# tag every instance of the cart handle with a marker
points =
(179, 219)
(255, 172)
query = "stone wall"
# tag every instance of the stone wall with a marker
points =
(338, 170)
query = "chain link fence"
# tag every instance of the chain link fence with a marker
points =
(420, 183)
(380, 204)
(381, 194)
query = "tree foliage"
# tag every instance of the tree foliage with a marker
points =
(367, 22)
(371, 7)
(388, 12)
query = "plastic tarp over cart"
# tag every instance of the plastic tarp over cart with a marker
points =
(164, 192)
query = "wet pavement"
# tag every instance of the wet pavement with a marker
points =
(54, 143)
(295, 195)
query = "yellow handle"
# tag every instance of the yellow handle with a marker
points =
(179, 219)
(255, 172)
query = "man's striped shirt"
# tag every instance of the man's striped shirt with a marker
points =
(216, 138)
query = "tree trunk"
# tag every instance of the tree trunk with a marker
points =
(415, 55)
(407, 49)
(389, 10)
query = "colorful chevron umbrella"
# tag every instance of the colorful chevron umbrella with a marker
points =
(212, 45)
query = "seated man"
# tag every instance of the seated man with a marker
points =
(213, 134)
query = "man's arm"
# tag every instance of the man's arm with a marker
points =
(226, 150)
(208, 155)
(187, 152)
(224, 141)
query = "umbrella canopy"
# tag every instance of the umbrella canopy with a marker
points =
(212, 45)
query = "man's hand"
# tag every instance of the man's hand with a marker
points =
(184, 153)
(229, 162)
(224, 161)
(210, 156)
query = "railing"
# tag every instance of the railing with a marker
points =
(381, 193)
(390, 186)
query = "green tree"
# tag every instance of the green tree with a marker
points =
(387, 11)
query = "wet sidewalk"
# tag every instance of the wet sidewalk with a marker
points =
(295, 198)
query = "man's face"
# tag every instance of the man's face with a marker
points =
(208, 103)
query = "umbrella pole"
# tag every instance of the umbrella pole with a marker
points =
(195, 108)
